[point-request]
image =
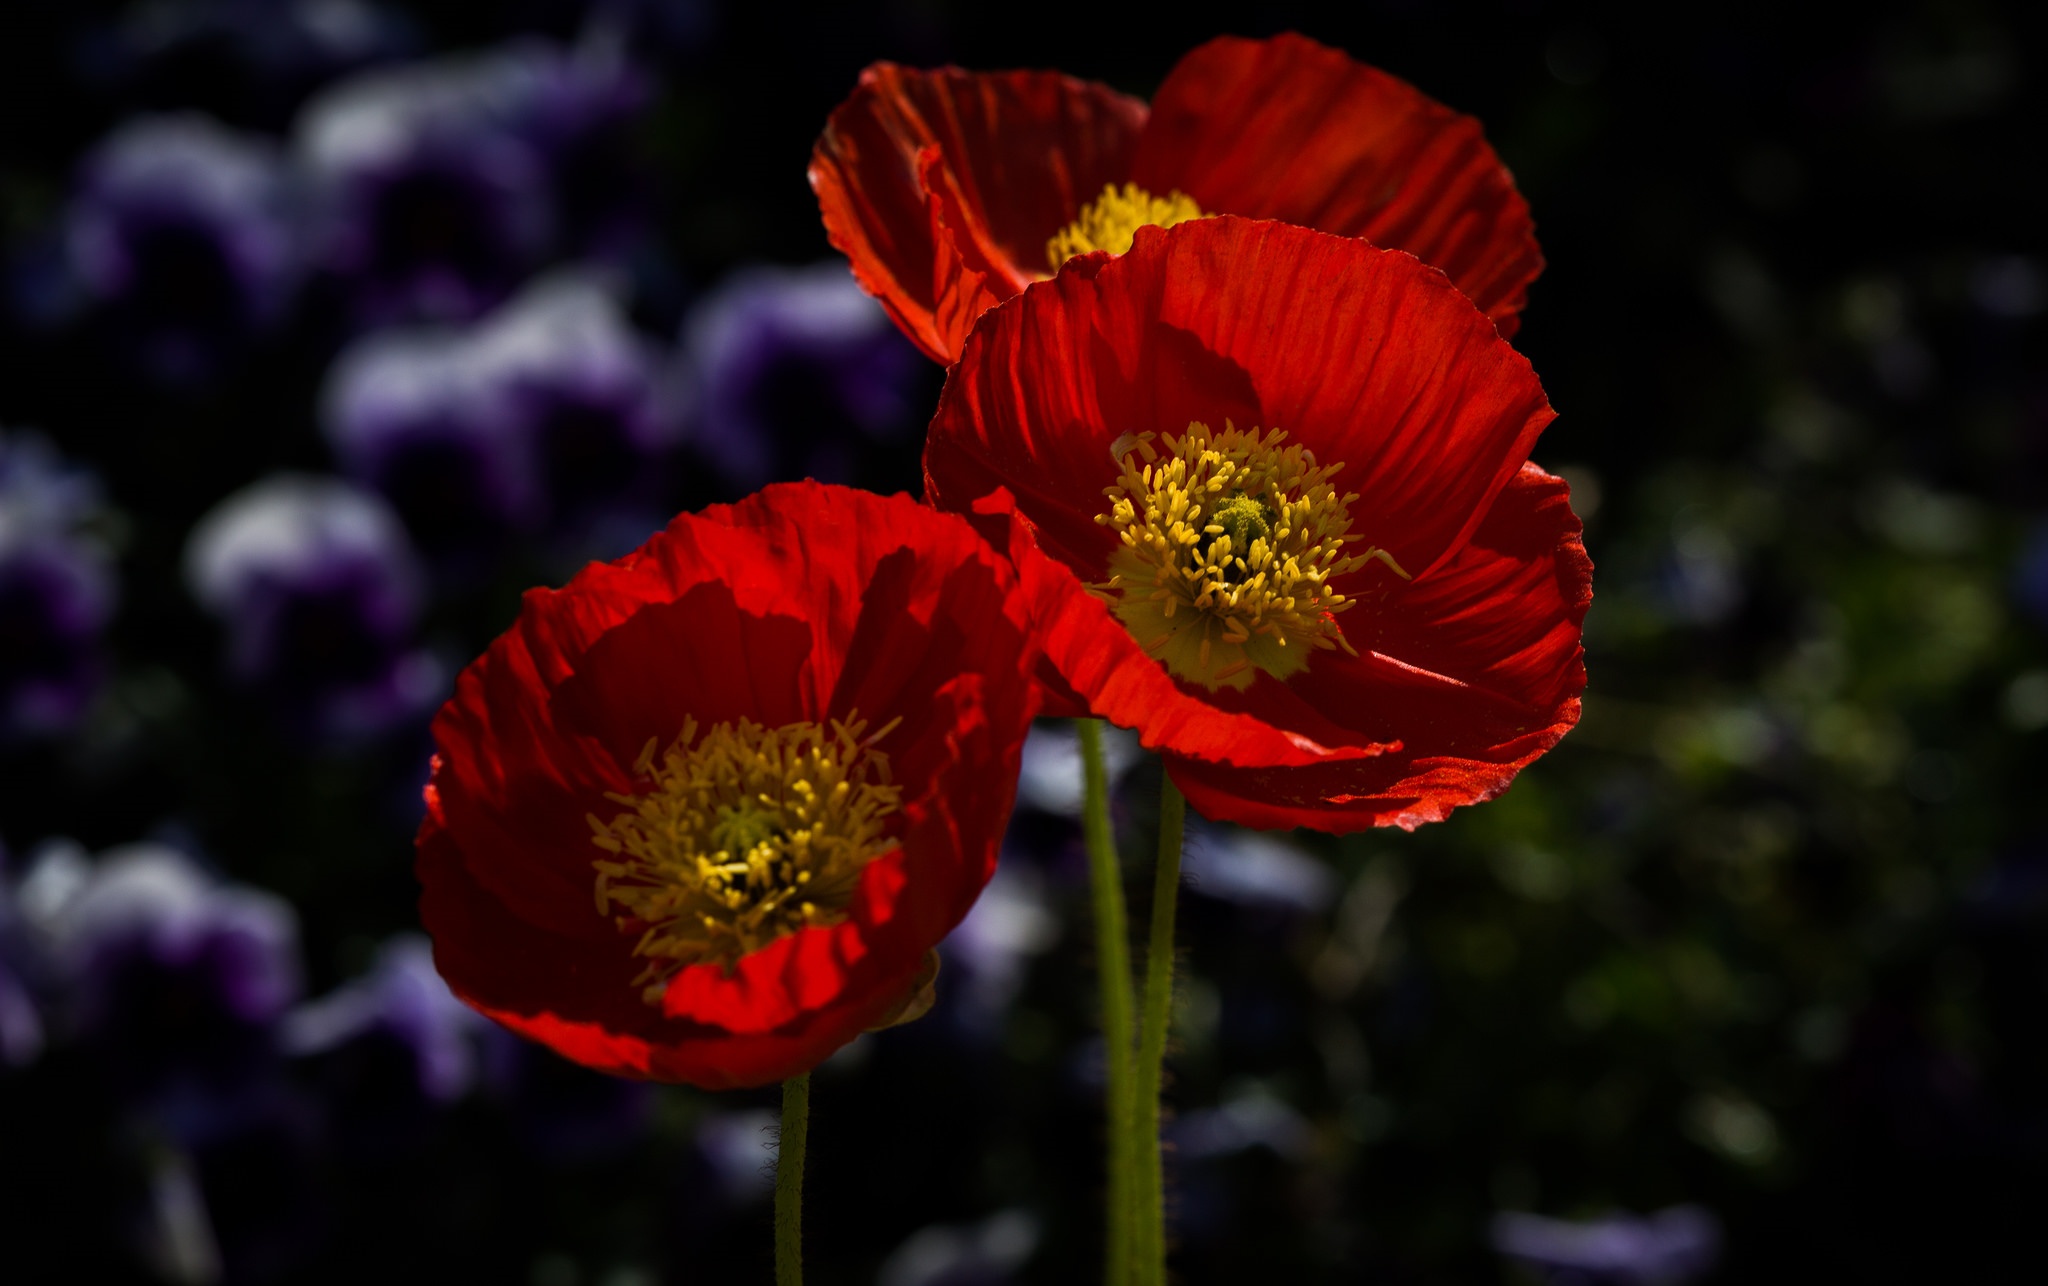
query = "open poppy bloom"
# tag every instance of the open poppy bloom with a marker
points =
(953, 190)
(703, 814)
(1285, 526)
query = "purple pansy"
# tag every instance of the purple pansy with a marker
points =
(1247, 1122)
(401, 1003)
(989, 1253)
(560, 1110)
(991, 952)
(440, 183)
(389, 1050)
(250, 55)
(57, 589)
(181, 238)
(1668, 1248)
(319, 594)
(552, 408)
(151, 907)
(1256, 870)
(21, 1018)
(799, 374)
(173, 977)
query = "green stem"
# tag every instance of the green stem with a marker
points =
(1112, 946)
(1150, 1194)
(789, 1181)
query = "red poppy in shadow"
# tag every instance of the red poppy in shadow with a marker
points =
(703, 814)
(951, 190)
(1278, 517)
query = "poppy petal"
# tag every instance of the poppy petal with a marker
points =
(1364, 355)
(1098, 668)
(803, 603)
(968, 276)
(1368, 356)
(1478, 668)
(1293, 130)
(1019, 152)
(578, 999)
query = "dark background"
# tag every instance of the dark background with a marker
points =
(1767, 934)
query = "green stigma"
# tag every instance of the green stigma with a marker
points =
(1243, 520)
(743, 827)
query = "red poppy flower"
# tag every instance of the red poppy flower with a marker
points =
(953, 190)
(1288, 529)
(702, 815)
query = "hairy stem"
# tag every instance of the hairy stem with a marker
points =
(1149, 1202)
(789, 1181)
(1113, 962)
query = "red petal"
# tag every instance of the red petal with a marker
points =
(1098, 663)
(1478, 669)
(1293, 130)
(1021, 152)
(1364, 355)
(579, 999)
(803, 602)
(969, 276)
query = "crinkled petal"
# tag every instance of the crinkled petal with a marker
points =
(1366, 356)
(1092, 665)
(1293, 130)
(1018, 153)
(1478, 669)
(802, 603)
(578, 998)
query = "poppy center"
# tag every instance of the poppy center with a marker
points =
(1112, 220)
(741, 836)
(1229, 542)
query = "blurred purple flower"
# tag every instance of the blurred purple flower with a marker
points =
(21, 1019)
(439, 184)
(319, 593)
(403, 1002)
(2030, 575)
(181, 237)
(675, 25)
(1253, 1121)
(251, 53)
(2013, 889)
(152, 907)
(1700, 581)
(172, 977)
(739, 1149)
(795, 369)
(988, 1253)
(1671, 1247)
(1256, 870)
(992, 949)
(21, 1023)
(1049, 775)
(389, 1050)
(551, 407)
(558, 1109)
(57, 589)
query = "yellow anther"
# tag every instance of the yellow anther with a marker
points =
(1111, 221)
(711, 851)
(1254, 574)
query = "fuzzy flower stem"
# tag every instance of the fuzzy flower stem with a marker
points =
(1113, 963)
(789, 1181)
(1150, 1195)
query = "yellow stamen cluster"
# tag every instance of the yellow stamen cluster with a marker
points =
(1112, 220)
(1230, 541)
(741, 837)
